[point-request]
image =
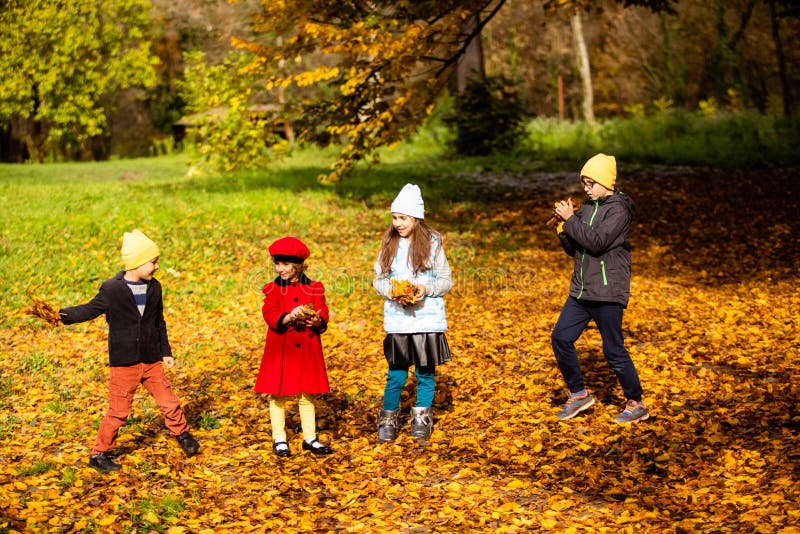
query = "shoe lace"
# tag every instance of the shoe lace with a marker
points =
(387, 420)
(573, 399)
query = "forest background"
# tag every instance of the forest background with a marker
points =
(130, 79)
(706, 134)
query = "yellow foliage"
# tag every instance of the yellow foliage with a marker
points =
(403, 292)
(41, 309)
(716, 353)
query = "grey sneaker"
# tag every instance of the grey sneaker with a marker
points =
(633, 412)
(574, 406)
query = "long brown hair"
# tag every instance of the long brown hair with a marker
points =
(419, 250)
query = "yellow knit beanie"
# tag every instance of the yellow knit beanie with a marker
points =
(602, 169)
(137, 249)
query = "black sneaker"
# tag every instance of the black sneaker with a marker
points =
(188, 444)
(103, 463)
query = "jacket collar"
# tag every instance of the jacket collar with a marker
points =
(303, 279)
(121, 277)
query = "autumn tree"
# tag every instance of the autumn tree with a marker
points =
(731, 20)
(384, 64)
(61, 61)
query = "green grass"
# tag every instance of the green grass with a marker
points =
(148, 514)
(62, 223)
(36, 469)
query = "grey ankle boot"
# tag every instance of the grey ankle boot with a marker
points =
(387, 425)
(421, 422)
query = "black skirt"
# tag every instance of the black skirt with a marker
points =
(420, 350)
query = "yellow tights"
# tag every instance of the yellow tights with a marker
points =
(277, 416)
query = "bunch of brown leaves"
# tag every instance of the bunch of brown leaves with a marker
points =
(41, 309)
(555, 219)
(403, 292)
(307, 311)
(305, 314)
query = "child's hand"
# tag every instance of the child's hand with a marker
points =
(297, 313)
(565, 209)
(305, 315)
(562, 211)
(419, 292)
(168, 361)
(313, 321)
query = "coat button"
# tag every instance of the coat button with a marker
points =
(296, 300)
(297, 345)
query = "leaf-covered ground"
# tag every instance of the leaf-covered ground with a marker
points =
(713, 326)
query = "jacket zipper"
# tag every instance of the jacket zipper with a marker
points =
(583, 254)
(603, 270)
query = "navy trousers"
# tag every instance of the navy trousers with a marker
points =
(575, 316)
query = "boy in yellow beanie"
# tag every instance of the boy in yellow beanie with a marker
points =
(137, 347)
(598, 237)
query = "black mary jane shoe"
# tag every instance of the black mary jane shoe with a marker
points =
(284, 451)
(316, 447)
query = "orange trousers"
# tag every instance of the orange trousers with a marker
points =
(123, 383)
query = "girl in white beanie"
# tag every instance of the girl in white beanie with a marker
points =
(412, 252)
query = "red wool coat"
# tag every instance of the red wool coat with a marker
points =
(292, 362)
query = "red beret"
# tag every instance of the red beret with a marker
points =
(289, 249)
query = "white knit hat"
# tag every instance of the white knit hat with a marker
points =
(137, 249)
(409, 202)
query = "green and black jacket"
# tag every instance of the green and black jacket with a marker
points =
(598, 237)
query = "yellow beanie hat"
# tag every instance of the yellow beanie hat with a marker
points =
(602, 169)
(137, 249)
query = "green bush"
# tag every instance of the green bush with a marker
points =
(487, 118)
(673, 137)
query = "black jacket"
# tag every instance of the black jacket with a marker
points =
(132, 338)
(598, 237)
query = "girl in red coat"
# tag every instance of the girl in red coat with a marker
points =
(292, 364)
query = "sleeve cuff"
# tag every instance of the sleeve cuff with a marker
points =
(281, 327)
(321, 328)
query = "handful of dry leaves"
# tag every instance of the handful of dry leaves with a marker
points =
(306, 313)
(41, 309)
(555, 219)
(403, 292)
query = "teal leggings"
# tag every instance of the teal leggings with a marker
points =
(396, 381)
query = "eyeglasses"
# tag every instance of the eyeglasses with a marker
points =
(588, 184)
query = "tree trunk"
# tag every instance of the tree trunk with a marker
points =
(584, 67)
(731, 70)
(288, 130)
(786, 87)
(30, 132)
(470, 65)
